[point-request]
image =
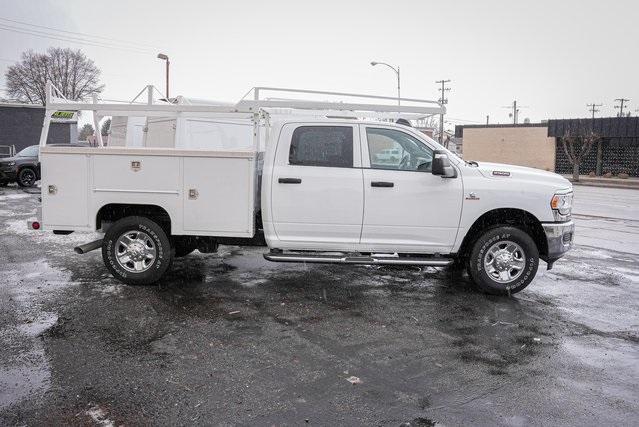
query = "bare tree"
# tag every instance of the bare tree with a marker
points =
(69, 70)
(577, 148)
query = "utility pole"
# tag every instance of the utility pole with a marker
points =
(443, 100)
(593, 108)
(620, 106)
(515, 113)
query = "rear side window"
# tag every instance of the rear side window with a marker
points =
(328, 146)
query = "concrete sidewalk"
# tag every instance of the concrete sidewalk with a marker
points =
(600, 181)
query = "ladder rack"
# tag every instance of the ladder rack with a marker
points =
(256, 109)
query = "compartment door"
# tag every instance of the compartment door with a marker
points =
(65, 206)
(218, 196)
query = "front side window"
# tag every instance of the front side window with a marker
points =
(328, 146)
(396, 150)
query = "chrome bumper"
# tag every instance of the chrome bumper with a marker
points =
(560, 236)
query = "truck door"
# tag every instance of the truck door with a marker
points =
(406, 207)
(316, 189)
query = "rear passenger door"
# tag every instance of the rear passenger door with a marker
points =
(317, 195)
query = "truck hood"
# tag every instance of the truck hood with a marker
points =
(522, 173)
(9, 159)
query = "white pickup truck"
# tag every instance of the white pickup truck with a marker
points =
(317, 187)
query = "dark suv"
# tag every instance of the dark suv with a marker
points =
(23, 168)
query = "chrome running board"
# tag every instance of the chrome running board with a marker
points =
(357, 259)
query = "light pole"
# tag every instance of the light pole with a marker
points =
(396, 72)
(166, 58)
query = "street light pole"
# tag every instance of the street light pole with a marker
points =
(166, 58)
(399, 102)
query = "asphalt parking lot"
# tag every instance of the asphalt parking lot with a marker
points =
(234, 339)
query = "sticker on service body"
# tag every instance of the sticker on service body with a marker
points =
(501, 173)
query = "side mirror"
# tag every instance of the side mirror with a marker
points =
(442, 166)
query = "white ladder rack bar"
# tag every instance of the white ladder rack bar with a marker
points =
(259, 89)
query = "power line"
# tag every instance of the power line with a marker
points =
(126, 42)
(70, 39)
(620, 106)
(593, 108)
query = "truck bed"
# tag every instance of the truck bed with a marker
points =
(205, 192)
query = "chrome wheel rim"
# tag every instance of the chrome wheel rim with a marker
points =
(504, 261)
(135, 251)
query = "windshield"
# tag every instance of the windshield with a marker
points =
(29, 152)
(451, 155)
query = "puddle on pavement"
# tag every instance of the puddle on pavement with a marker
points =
(28, 285)
(25, 381)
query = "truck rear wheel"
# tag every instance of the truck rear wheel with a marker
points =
(503, 261)
(136, 250)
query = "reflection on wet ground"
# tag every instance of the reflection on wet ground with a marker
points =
(232, 338)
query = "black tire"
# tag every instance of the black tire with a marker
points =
(491, 257)
(148, 238)
(183, 246)
(27, 177)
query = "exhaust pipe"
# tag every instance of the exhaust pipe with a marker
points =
(88, 247)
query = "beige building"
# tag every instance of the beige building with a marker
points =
(524, 145)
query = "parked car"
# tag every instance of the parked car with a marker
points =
(389, 155)
(23, 168)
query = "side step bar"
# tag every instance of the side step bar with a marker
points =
(349, 259)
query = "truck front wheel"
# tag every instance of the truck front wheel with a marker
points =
(136, 250)
(503, 261)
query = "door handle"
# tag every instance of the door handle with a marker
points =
(385, 184)
(289, 180)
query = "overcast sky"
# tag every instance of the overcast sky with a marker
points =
(554, 57)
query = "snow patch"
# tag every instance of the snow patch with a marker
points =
(99, 415)
(15, 196)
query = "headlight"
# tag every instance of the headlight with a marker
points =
(9, 164)
(562, 203)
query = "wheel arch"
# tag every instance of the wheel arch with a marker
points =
(519, 218)
(112, 212)
(22, 167)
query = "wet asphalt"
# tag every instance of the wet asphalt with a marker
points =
(232, 339)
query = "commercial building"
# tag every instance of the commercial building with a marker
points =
(540, 145)
(21, 125)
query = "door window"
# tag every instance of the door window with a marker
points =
(328, 146)
(396, 150)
